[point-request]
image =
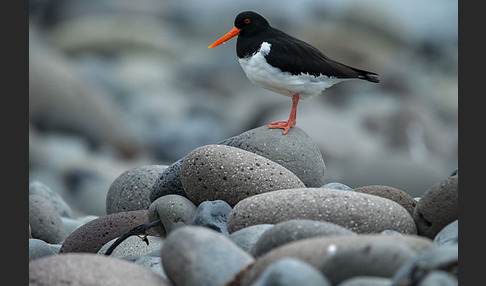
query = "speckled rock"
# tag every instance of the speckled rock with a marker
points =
(213, 215)
(217, 172)
(295, 151)
(194, 255)
(394, 194)
(45, 221)
(90, 269)
(133, 245)
(358, 212)
(315, 250)
(38, 188)
(449, 234)
(376, 258)
(173, 211)
(130, 191)
(168, 182)
(295, 229)
(91, 236)
(437, 207)
(291, 272)
(248, 236)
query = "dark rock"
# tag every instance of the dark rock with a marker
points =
(45, 221)
(213, 215)
(168, 182)
(293, 230)
(358, 212)
(194, 255)
(437, 207)
(218, 172)
(394, 194)
(130, 191)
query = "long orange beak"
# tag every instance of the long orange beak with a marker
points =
(231, 34)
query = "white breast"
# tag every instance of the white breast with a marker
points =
(264, 75)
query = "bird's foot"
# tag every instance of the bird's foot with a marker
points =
(285, 125)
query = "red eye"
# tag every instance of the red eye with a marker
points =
(247, 21)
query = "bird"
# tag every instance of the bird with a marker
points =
(284, 64)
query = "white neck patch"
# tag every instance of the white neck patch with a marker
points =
(265, 48)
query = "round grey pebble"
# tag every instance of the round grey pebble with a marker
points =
(213, 215)
(194, 255)
(173, 211)
(38, 248)
(394, 194)
(291, 272)
(366, 281)
(248, 236)
(168, 182)
(130, 191)
(439, 278)
(337, 186)
(443, 257)
(380, 259)
(218, 172)
(361, 213)
(45, 221)
(133, 245)
(38, 188)
(90, 269)
(437, 207)
(295, 151)
(449, 234)
(293, 230)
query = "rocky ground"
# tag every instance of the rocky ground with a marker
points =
(132, 119)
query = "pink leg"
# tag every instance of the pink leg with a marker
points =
(285, 125)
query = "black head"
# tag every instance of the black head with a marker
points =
(250, 23)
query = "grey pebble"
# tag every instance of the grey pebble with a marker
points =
(439, 278)
(133, 245)
(394, 194)
(168, 182)
(443, 257)
(39, 248)
(218, 172)
(90, 269)
(295, 229)
(361, 213)
(194, 255)
(449, 234)
(45, 221)
(152, 263)
(437, 207)
(213, 215)
(130, 191)
(337, 186)
(366, 281)
(173, 211)
(248, 236)
(377, 258)
(40, 189)
(291, 272)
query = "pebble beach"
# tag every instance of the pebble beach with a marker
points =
(136, 121)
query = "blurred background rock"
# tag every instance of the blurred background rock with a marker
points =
(115, 84)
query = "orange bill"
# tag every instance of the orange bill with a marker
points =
(234, 32)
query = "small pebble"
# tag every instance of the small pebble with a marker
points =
(39, 248)
(173, 211)
(248, 236)
(213, 215)
(394, 194)
(45, 221)
(337, 186)
(38, 188)
(366, 281)
(449, 234)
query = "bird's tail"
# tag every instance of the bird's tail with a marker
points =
(369, 76)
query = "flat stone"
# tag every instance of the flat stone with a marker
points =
(194, 255)
(361, 213)
(91, 236)
(295, 229)
(45, 221)
(173, 211)
(133, 245)
(130, 191)
(315, 250)
(291, 272)
(218, 172)
(437, 207)
(295, 151)
(90, 269)
(394, 194)
(376, 258)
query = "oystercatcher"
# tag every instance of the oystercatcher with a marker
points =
(279, 62)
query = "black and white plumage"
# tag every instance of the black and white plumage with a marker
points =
(284, 64)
